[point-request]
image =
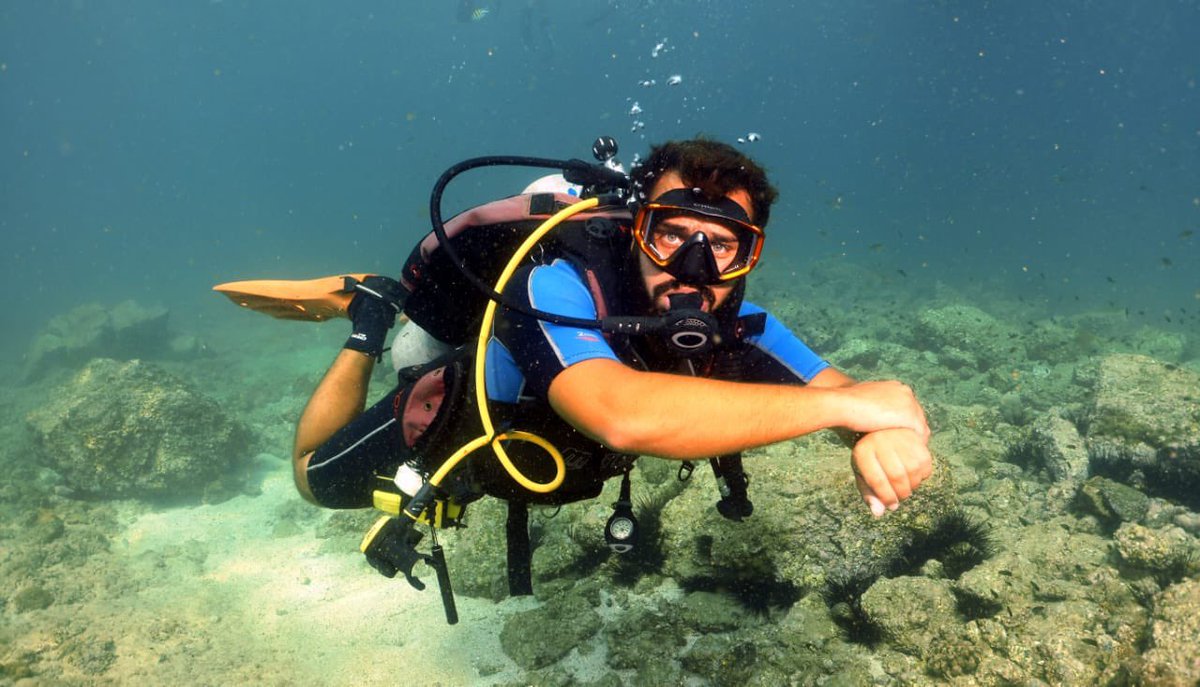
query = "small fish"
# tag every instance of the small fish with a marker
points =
(479, 13)
(1186, 234)
(1166, 262)
(674, 80)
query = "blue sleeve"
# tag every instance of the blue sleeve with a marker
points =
(525, 353)
(779, 355)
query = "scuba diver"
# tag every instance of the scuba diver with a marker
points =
(594, 384)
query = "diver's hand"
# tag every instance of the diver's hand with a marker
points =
(888, 466)
(873, 406)
(377, 301)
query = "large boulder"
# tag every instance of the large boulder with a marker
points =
(910, 611)
(809, 523)
(1140, 399)
(1110, 502)
(131, 430)
(1144, 426)
(1167, 554)
(525, 641)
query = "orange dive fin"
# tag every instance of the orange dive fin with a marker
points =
(314, 300)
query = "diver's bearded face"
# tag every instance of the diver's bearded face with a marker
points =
(659, 284)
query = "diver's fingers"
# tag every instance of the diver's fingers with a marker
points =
(920, 465)
(876, 506)
(871, 474)
(904, 456)
(896, 470)
(912, 455)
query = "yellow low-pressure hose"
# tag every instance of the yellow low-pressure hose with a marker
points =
(485, 330)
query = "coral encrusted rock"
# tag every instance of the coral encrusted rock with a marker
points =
(132, 430)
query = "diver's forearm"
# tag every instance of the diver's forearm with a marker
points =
(700, 418)
(672, 416)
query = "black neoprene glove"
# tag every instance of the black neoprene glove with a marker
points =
(377, 301)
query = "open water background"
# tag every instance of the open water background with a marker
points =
(1032, 149)
(1034, 160)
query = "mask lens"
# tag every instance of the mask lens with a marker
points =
(662, 231)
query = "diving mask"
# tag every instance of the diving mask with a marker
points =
(698, 241)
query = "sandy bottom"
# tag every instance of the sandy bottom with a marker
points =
(247, 591)
(219, 600)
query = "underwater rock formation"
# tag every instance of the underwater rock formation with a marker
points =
(540, 636)
(1047, 608)
(1110, 502)
(1053, 445)
(1168, 554)
(1038, 572)
(126, 331)
(1138, 398)
(131, 430)
(963, 335)
(1143, 426)
(808, 521)
(909, 611)
(1173, 658)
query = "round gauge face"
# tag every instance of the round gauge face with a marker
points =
(621, 528)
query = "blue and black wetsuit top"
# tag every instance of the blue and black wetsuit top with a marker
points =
(526, 354)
